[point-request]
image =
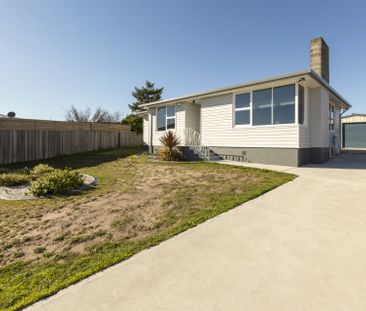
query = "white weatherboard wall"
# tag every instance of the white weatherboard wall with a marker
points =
(179, 124)
(217, 128)
(193, 112)
(319, 117)
(145, 130)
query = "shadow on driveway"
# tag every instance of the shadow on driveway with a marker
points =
(344, 161)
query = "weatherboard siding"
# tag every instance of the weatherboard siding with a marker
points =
(145, 130)
(193, 116)
(217, 128)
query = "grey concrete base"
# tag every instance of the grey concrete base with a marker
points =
(319, 155)
(277, 156)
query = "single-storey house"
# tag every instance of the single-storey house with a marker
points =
(291, 119)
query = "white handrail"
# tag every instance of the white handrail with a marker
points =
(193, 139)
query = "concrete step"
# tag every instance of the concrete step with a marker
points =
(193, 154)
(215, 158)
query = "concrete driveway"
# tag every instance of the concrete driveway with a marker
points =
(299, 247)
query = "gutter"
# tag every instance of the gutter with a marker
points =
(225, 89)
(308, 72)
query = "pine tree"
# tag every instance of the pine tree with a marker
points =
(145, 94)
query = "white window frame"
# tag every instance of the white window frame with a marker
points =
(167, 118)
(305, 107)
(243, 109)
(234, 109)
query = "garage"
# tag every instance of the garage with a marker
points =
(354, 131)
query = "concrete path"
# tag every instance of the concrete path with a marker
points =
(299, 247)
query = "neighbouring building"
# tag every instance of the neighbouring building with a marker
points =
(291, 119)
(354, 131)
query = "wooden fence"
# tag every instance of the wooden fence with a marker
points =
(27, 140)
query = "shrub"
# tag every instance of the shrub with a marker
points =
(13, 179)
(165, 154)
(171, 152)
(25, 170)
(40, 170)
(56, 182)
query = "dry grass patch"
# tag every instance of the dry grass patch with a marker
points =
(47, 244)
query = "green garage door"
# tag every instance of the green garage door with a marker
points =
(354, 135)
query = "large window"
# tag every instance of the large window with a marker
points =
(270, 106)
(262, 107)
(284, 104)
(242, 109)
(165, 118)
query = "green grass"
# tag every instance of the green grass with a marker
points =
(183, 204)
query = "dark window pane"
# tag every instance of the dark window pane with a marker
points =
(284, 104)
(161, 119)
(242, 117)
(301, 105)
(262, 107)
(170, 123)
(242, 100)
(171, 111)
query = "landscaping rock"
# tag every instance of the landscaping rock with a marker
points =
(22, 192)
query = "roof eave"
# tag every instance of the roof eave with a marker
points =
(225, 89)
(309, 72)
(331, 89)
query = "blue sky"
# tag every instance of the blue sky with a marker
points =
(58, 53)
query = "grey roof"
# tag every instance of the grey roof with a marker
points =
(238, 86)
(3, 116)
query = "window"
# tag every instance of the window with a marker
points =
(242, 109)
(270, 106)
(170, 117)
(284, 104)
(161, 126)
(301, 99)
(331, 117)
(165, 118)
(262, 107)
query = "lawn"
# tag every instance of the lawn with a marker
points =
(48, 244)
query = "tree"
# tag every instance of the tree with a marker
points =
(145, 94)
(134, 121)
(78, 115)
(100, 115)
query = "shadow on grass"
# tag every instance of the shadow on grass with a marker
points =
(81, 160)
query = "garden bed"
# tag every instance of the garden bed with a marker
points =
(21, 192)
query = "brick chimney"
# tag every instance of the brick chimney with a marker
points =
(319, 57)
